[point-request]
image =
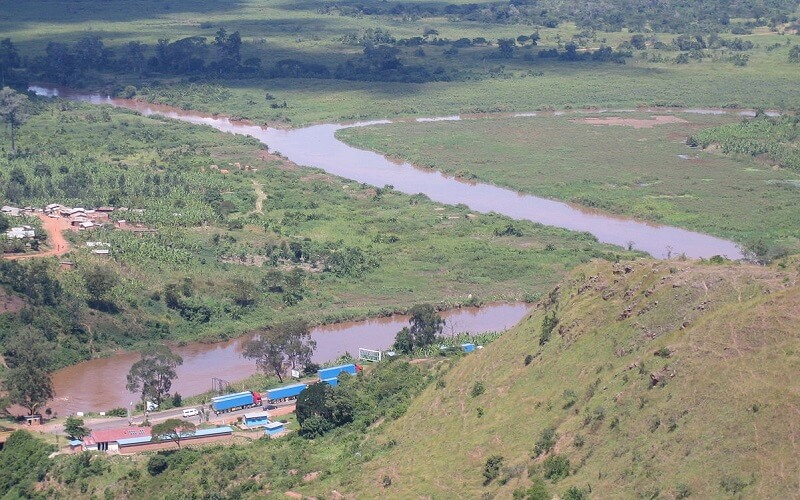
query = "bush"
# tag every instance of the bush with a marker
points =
(575, 493)
(537, 491)
(492, 468)
(477, 389)
(156, 465)
(528, 359)
(547, 440)
(556, 467)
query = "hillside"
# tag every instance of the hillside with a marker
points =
(712, 414)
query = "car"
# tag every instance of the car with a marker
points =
(190, 412)
(270, 407)
(151, 406)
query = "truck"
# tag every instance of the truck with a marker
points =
(284, 393)
(326, 374)
(237, 401)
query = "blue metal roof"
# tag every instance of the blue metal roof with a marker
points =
(136, 440)
(213, 431)
(75, 442)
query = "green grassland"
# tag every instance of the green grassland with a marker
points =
(658, 379)
(619, 169)
(477, 79)
(351, 250)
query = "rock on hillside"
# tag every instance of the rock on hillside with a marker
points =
(659, 380)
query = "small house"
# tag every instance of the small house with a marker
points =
(35, 419)
(257, 419)
(274, 428)
(19, 233)
(109, 439)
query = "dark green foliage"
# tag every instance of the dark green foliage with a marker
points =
(547, 440)
(492, 468)
(32, 278)
(23, 462)
(321, 408)
(82, 466)
(537, 491)
(157, 464)
(29, 357)
(99, 282)
(555, 467)
(477, 389)
(549, 323)
(575, 493)
(288, 342)
(174, 429)
(774, 137)
(152, 375)
(75, 428)
(734, 485)
(528, 359)
(424, 326)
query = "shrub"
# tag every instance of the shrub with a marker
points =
(556, 467)
(492, 468)
(547, 440)
(575, 493)
(156, 465)
(528, 359)
(477, 389)
(548, 324)
(537, 491)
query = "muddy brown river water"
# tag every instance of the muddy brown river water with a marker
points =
(99, 384)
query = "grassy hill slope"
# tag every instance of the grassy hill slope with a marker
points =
(713, 413)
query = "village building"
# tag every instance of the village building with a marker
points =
(21, 232)
(138, 439)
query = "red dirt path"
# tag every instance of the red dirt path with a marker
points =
(58, 244)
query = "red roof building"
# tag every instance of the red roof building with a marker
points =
(108, 439)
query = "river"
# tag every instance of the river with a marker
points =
(99, 384)
(77, 387)
(317, 146)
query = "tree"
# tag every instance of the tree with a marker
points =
(99, 281)
(506, 47)
(14, 111)
(152, 375)
(321, 408)
(74, 428)
(287, 342)
(28, 356)
(174, 429)
(9, 58)
(425, 325)
(4, 223)
(794, 54)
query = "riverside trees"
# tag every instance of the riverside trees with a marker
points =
(152, 375)
(287, 343)
(425, 325)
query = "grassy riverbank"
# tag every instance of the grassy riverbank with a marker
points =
(322, 247)
(647, 173)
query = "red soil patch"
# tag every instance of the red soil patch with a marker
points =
(58, 244)
(631, 122)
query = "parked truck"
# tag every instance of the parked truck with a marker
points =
(326, 374)
(237, 401)
(284, 393)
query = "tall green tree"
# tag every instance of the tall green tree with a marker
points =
(74, 427)
(174, 429)
(287, 343)
(321, 408)
(9, 58)
(152, 375)
(14, 111)
(423, 327)
(27, 381)
(99, 282)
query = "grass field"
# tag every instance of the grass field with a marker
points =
(481, 82)
(647, 173)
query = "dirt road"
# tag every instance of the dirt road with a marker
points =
(58, 245)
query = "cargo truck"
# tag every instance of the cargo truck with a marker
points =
(237, 401)
(326, 374)
(284, 393)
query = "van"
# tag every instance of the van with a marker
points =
(190, 412)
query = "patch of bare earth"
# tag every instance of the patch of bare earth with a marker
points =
(631, 122)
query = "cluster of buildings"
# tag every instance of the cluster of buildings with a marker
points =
(80, 218)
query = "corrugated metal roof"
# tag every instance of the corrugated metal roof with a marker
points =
(213, 431)
(108, 435)
(261, 414)
(274, 425)
(138, 440)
